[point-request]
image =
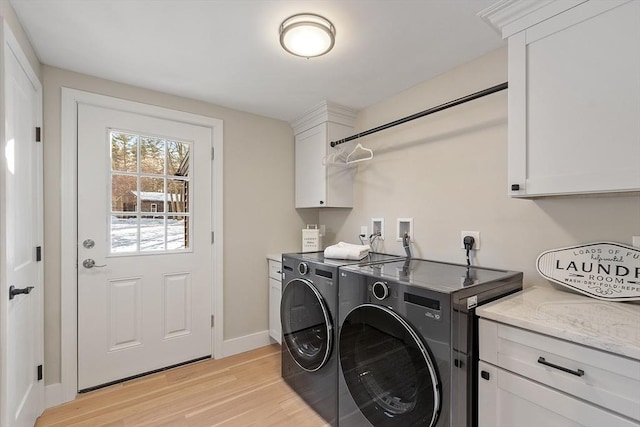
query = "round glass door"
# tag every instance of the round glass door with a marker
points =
(388, 369)
(306, 325)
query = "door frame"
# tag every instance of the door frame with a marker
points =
(69, 221)
(10, 45)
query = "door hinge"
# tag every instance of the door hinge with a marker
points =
(213, 237)
(213, 323)
(40, 376)
(213, 154)
(38, 253)
(38, 134)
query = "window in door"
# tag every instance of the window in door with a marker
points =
(150, 206)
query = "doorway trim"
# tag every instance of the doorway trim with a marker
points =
(69, 221)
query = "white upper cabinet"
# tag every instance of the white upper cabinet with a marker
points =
(317, 185)
(574, 95)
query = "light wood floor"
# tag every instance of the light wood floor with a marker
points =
(241, 390)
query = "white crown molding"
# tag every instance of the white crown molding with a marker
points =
(512, 16)
(505, 12)
(323, 112)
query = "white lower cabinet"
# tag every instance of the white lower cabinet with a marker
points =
(275, 295)
(507, 400)
(529, 379)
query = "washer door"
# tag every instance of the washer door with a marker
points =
(387, 368)
(307, 330)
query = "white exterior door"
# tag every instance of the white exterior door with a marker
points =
(21, 311)
(144, 244)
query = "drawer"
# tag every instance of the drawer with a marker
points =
(275, 270)
(598, 377)
(508, 400)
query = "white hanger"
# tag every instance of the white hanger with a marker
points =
(362, 159)
(337, 157)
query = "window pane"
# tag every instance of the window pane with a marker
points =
(123, 193)
(152, 233)
(178, 192)
(150, 175)
(152, 155)
(124, 233)
(177, 158)
(152, 193)
(124, 152)
(177, 232)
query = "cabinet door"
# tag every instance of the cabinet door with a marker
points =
(506, 400)
(275, 270)
(574, 102)
(311, 186)
(275, 295)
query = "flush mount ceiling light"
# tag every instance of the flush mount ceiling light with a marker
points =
(307, 35)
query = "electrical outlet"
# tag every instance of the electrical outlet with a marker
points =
(476, 238)
(377, 227)
(635, 241)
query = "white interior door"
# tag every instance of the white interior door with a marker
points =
(21, 351)
(144, 244)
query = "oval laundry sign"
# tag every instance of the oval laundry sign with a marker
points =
(604, 270)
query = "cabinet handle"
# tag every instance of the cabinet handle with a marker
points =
(577, 373)
(485, 375)
(322, 202)
(515, 187)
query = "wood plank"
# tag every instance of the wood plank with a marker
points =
(241, 390)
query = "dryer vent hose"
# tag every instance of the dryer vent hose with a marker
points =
(405, 244)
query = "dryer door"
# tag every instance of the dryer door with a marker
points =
(387, 368)
(307, 329)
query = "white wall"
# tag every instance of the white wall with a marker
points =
(259, 214)
(449, 172)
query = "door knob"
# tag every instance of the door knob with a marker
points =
(13, 291)
(90, 263)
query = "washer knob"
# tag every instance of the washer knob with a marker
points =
(380, 290)
(303, 268)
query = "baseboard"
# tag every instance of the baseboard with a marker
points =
(245, 343)
(53, 395)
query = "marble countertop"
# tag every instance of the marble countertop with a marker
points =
(604, 325)
(275, 257)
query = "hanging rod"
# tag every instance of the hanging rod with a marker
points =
(476, 95)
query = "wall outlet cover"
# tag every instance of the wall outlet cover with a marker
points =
(404, 225)
(476, 238)
(377, 226)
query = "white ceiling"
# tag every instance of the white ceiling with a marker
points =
(227, 52)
